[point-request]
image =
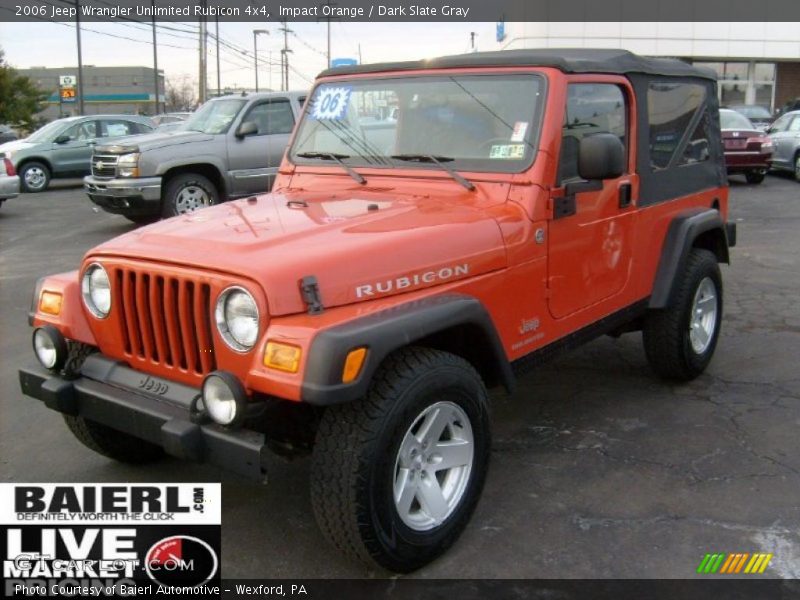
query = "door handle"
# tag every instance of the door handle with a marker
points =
(625, 195)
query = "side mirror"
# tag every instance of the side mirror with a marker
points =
(246, 128)
(62, 139)
(601, 156)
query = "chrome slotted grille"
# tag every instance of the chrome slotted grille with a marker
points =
(165, 319)
(104, 165)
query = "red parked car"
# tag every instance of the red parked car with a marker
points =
(748, 151)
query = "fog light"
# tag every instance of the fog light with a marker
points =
(50, 347)
(224, 398)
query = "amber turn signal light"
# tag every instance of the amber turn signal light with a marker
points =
(352, 364)
(50, 303)
(283, 357)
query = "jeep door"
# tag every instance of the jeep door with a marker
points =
(74, 155)
(254, 159)
(591, 235)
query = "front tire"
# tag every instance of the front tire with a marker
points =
(187, 193)
(680, 340)
(755, 176)
(396, 476)
(112, 443)
(34, 177)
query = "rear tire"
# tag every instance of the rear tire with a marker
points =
(112, 443)
(34, 177)
(797, 167)
(186, 193)
(755, 176)
(396, 476)
(680, 340)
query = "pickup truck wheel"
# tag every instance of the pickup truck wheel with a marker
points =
(112, 443)
(34, 177)
(142, 219)
(188, 192)
(755, 176)
(679, 341)
(396, 476)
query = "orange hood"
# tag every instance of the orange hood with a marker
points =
(360, 245)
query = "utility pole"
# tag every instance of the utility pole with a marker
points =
(155, 56)
(361, 62)
(255, 51)
(285, 56)
(219, 74)
(201, 74)
(472, 40)
(80, 58)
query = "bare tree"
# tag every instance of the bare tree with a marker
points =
(180, 94)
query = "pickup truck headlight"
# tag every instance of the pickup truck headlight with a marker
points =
(96, 291)
(237, 318)
(128, 165)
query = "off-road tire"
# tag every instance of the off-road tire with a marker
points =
(112, 443)
(356, 448)
(666, 331)
(180, 182)
(142, 219)
(33, 164)
(754, 176)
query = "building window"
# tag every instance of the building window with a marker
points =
(744, 82)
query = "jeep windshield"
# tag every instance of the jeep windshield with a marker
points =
(484, 123)
(215, 116)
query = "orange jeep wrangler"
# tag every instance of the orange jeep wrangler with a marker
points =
(435, 227)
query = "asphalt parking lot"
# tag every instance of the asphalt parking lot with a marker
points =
(598, 469)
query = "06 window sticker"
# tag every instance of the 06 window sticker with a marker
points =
(331, 102)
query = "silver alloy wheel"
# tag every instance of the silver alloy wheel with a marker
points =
(433, 466)
(35, 178)
(703, 319)
(797, 168)
(190, 199)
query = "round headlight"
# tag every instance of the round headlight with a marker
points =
(50, 347)
(237, 318)
(224, 398)
(96, 291)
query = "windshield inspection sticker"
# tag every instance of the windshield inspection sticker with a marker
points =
(520, 129)
(507, 151)
(331, 103)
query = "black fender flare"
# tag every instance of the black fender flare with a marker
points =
(388, 330)
(683, 231)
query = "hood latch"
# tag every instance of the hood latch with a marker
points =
(309, 288)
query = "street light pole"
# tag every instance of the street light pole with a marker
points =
(155, 57)
(255, 51)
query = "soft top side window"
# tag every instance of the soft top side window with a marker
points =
(677, 123)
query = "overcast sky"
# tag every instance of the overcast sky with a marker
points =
(54, 45)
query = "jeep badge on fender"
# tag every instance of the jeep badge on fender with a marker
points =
(491, 209)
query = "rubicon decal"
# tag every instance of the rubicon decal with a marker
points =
(414, 280)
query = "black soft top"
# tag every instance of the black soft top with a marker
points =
(568, 60)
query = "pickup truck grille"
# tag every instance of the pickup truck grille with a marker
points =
(104, 165)
(166, 320)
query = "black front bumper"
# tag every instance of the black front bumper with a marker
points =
(107, 393)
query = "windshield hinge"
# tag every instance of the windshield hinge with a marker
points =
(309, 288)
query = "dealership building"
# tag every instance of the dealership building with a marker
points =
(756, 63)
(118, 90)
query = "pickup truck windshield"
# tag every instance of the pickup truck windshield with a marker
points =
(479, 123)
(215, 116)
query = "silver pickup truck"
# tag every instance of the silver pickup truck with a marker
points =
(231, 147)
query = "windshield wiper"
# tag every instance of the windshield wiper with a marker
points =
(337, 158)
(440, 162)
